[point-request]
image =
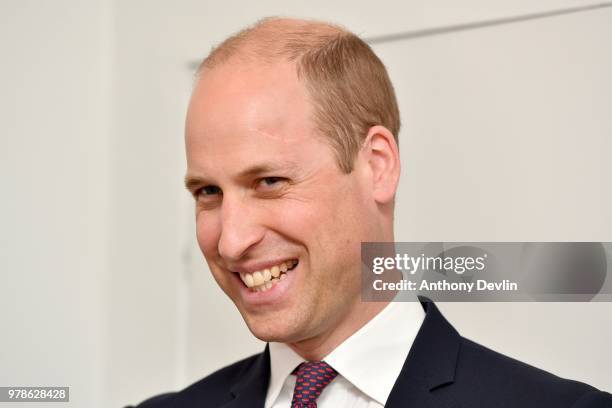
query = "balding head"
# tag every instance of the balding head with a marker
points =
(348, 85)
(272, 39)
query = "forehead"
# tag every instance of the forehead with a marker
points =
(246, 107)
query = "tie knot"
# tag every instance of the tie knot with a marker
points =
(312, 377)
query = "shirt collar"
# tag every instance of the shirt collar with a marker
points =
(380, 346)
(282, 362)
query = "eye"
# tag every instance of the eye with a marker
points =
(267, 184)
(209, 190)
(208, 193)
(270, 181)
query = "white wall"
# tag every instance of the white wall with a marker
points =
(55, 121)
(505, 138)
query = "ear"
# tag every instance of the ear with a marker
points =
(381, 154)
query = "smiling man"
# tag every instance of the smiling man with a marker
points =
(292, 158)
(278, 219)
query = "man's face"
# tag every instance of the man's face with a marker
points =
(270, 198)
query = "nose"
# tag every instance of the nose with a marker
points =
(240, 228)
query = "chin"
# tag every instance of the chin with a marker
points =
(271, 331)
(271, 334)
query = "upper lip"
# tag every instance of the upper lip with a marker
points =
(258, 266)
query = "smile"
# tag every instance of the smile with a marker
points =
(261, 281)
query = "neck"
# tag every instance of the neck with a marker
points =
(316, 348)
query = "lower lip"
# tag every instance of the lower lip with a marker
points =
(271, 296)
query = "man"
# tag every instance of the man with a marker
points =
(292, 156)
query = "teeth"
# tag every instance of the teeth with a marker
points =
(263, 280)
(258, 278)
(247, 278)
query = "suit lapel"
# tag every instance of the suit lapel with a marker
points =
(430, 365)
(251, 387)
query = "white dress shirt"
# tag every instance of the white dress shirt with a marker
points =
(368, 362)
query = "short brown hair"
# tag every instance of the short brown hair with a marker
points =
(348, 84)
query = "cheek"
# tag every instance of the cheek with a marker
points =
(331, 227)
(346, 215)
(347, 229)
(207, 233)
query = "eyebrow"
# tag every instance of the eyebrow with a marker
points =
(193, 181)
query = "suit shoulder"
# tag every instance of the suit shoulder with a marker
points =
(594, 399)
(506, 379)
(223, 378)
(215, 386)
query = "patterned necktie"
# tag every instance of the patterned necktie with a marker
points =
(312, 377)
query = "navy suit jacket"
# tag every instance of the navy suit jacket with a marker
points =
(442, 370)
